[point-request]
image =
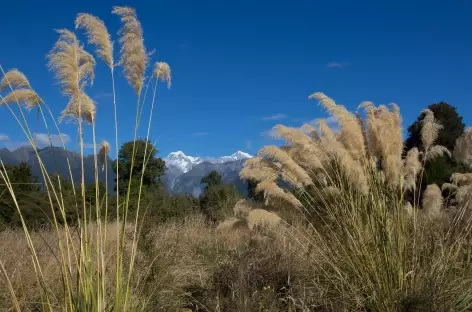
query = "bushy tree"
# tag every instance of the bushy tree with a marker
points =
(154, 166)
(218, 199)
(251, 192)
(439, 170)
(90, 192)
(27, 193)
(448, 117)
(212, 179)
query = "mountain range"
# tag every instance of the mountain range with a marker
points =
(182, 175)
(55, 161)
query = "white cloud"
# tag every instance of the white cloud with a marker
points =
(200, 133)
(269, 134)
(103, 95)
(4, 137)
(248, 144)
(274, 117)
(88, 145)
(43, 139)
(335, 64)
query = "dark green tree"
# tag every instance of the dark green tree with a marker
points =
(154, 167)
(212, 179)
(26, 190)
(251, 192)
(447, 116)
(90, 193)
(217, 202)
(438, 170)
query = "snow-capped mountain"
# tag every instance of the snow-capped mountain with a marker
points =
(236, 156)
(184, 173)
(180, 160)
(185, 163)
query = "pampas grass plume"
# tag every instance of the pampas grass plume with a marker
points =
(133, 55)
(14, 79)
(242, 208)
(461, 178)
(97, 35)
(26, 96)
(432, 200)
(258, 169)
(103, 152)
(21, 91)
(411, 168)
(263, 218)
(83, 108)
(463, 148)
(74, 68)
(430, 129)
(288, 164)
(436, 151)
(273, 192)
(162, 72)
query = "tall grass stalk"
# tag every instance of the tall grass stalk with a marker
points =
(84, 270)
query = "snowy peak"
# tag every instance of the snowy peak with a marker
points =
(185, 163)
(236, 156)
(182, 161)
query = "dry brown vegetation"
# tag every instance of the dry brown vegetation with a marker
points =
(180, 264)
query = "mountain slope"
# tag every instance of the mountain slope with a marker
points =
(189, 182)
(55, 161)
(183, 173)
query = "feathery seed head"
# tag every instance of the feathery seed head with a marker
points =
(408, 208)
(74, 68)
(384, 138)
(463, 148)
(432, 200)
(436, 151)
(83, 108)
(411, 168)
(104, 148)
(464, 196)
(353, 169)
(263, 218)
(307, 153)
(97, 35)
(258, 169)
(430, 129)
(272, 192)
(26, 96)
(290, 167)
(351, 133)
(242, 208)
(162, 72)
(103, 152)
(308, 129)
(331, 191)
(461, 178)
(448, 186)
(14, 79)
(133, 55)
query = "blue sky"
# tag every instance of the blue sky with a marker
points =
(241, 67)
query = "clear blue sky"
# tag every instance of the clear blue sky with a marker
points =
(236, 62)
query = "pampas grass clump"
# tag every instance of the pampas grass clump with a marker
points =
(378, 245)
